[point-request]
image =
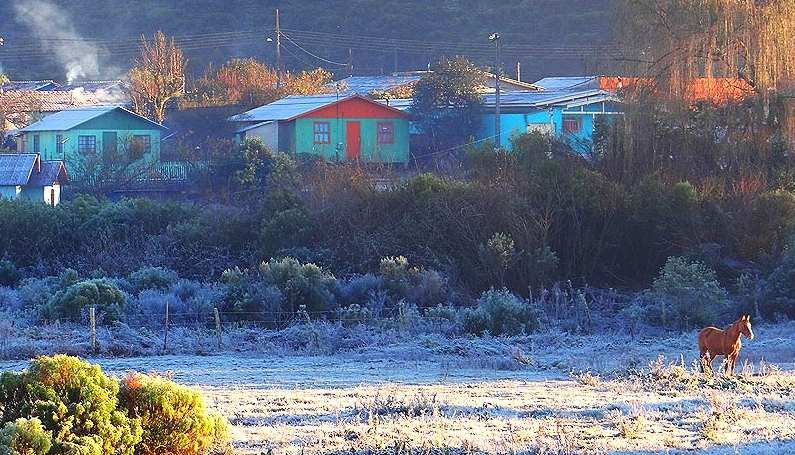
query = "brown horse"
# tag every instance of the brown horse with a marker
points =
(713, 342)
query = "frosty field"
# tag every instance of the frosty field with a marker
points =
(549, 393)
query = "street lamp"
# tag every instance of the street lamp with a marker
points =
(495, 37)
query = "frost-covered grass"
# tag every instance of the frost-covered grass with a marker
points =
(379, 391)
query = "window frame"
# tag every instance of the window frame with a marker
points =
(83, 142)
(385, 133)
(321, 133)
(570, 121)
(147, 148)
(59, 145)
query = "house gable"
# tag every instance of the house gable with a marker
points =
(118, 119)
(355, 107)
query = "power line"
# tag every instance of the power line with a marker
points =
(310, 53)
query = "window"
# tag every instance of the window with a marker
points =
(59, 146)
(322, 132)
(386, 133)
(36, 144)
(140, 146)
(86, 144)
(571, 125)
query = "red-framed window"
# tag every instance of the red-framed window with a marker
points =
(322, 133)
(572, 125)
(386, 133)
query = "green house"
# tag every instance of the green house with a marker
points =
(351, 128)
(82, 136)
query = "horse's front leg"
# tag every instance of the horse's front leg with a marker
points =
(731, 359)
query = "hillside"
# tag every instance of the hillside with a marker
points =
(44, 39)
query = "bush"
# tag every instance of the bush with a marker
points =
(152, 278)
(25, 437)
(301, 284)
(101, 293)
(423, 287)
(8, 273)
(174, 418)
(686, 294)
(500, 312)
(75, 401)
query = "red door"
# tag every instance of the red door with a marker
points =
(353, 139)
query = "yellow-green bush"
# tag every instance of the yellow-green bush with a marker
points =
(25, 437)
(74, 400)
(174, 418)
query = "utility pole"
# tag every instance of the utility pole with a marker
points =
(350, 61)
(395, 56)
(497, 70)
(519, 71)
(278, 51)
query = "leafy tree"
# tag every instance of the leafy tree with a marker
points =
(158, 76)
(447, 102)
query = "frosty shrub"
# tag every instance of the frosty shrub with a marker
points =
(8, 273)
(686, 294)
(300, 284)
(174, 418)
(500, 312)
(152, 278)
(75, 401)
(9, 300)
(101, 293)
(422, 287)
(25, 437)
(353, 314)
(358, 289)
(247, 295)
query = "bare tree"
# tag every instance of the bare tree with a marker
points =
(158, 77)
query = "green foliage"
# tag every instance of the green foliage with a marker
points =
(174, 418)
(25, 437)
(301, 284)
(8, 273)
(685, 295)
(68, 303)
(153, 278)
(75, 401)
(499, 312)
(497, 255)
(415, 284)
(447, 102)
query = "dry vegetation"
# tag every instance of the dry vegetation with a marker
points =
(546, 393)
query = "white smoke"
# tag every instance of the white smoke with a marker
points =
(52, 26)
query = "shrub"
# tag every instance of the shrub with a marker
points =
(358, 289)
(247, 295)
(74, 400)
(174, 418)
(686, 294)
(152, 278)
(422, 287)
(25, 437)
(8, 273)
(500, 312)
(301, 284)
(101, 293)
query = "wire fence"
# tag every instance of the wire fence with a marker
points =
(219, 322)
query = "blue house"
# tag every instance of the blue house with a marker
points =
(569, 115)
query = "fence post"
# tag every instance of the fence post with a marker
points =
(217, 326)
(165, 337)
(92, 320)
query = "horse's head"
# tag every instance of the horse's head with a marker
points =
(745, 326)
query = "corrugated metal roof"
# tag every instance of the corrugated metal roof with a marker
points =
(92, 86)
(29, 85)
(15, 169)
(364, 85)
(51, 172)
(543, 99)
(292, 107)
(286, 108)
(568, 83)
(251, 127)
(70, 118)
